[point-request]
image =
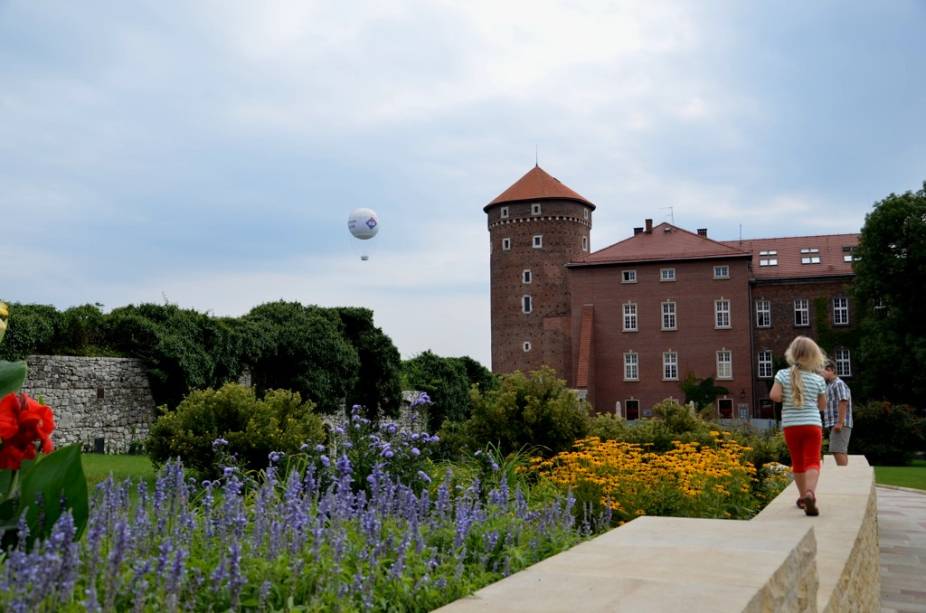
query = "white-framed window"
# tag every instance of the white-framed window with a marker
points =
(802, 312)
(585, 213)
(667, 274)
(722, 272)
(840, 311)
(810, 255)
(526, 346)
(670, 366)
(535, 208)
(527, 303)
(526, 276)
(506, 244)
(628, 276)
(768, 258)
(763, 313)
(537, 242)
(722, 313)
(584, 243)
(631, 366)
(669, 319)
(843, 362)
(724, 364)
(765, 364)
(630, 317)
(848, 253)
(503, 212)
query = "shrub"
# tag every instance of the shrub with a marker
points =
(252, 427)
(535, 410)
(887, 434)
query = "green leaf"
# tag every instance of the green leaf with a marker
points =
(55, 476)
(6, 482)
(12, 375)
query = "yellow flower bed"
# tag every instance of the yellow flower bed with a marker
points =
(690, 480)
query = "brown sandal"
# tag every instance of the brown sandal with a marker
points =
(810, 504)
(800, 503)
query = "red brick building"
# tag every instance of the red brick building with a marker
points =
(628, 323)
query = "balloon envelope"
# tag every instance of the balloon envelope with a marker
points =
(363, 223)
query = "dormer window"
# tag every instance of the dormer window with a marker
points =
(535, 208)
(768, 258)
(503, 212)
(848, 254)
(810, 255)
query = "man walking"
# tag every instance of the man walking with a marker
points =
(838, 415)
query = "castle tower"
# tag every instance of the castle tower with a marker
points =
(536, 227)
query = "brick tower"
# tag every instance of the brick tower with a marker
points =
(536, 227)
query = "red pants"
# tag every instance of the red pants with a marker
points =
(805, 444)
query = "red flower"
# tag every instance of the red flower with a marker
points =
(23, 421)
(9, 416)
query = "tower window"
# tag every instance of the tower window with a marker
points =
(526, 276)
(584, 243)
(503, 212)
(537, 241)
(526, 346)
(585, 213)
(527, 304)
(535, 208)
(506, 244)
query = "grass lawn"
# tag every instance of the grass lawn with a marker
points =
(98, 466)
(905, 476)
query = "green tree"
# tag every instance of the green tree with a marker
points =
(305, 351)
(702, 392)
(890, 270)
(33, 328)
(445, 381)
(377, 385)
(534, 410)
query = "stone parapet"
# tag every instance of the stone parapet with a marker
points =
(780, 561)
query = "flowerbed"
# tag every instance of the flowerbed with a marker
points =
(689, 480)
(308, 536)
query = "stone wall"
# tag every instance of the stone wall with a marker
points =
(94, 398)
(780, 561)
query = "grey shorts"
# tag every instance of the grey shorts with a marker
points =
(839, 441)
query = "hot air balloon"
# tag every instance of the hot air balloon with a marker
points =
(363, 224)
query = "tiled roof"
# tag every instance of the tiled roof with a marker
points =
(664, 242)
(830, 252)
(584, 363)
(537, 185)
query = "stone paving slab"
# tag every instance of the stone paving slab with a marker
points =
(902, 535)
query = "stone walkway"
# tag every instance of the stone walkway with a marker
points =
(902, 535)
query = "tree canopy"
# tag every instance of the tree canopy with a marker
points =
(890, 270)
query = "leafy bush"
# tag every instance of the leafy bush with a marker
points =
(535, 410)
(252, 427)
(445, 380)
(887, 434)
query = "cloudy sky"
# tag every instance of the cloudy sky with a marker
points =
(209, 153)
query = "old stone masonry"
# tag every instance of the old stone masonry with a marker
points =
(101, 403)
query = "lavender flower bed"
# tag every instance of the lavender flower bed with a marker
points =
(309, 532)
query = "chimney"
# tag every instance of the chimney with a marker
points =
(637, 231)
(702, 231)
(649, 226)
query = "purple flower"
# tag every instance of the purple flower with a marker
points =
(339, 431)
(494, 467)
(320, 448)
(435, 439)
(415, 451)
(424, 476)
(304, 447)
(325, 461)
(219, 442)
(275, 456)
(388, 453)
(228, 471)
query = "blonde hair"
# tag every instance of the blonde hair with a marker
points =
(803, 354)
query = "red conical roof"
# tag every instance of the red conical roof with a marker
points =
(537, 184)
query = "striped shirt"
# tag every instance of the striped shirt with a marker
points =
(836, 391)
(808, 414)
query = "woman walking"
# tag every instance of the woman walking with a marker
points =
(802, 393)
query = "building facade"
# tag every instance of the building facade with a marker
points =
(627, 324)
